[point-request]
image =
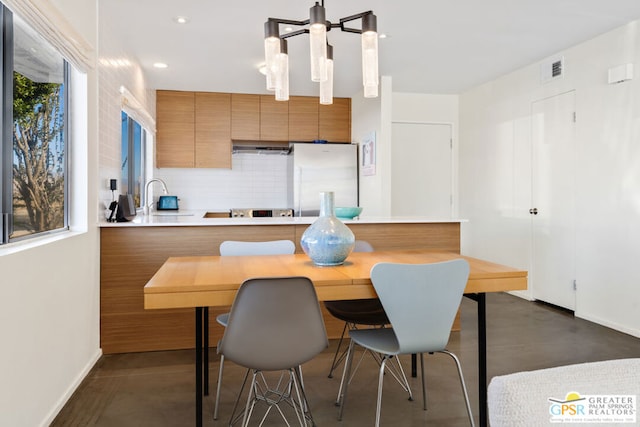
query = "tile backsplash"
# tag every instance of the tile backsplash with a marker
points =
(255, 181)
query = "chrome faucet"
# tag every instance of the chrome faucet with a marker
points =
(148, 204)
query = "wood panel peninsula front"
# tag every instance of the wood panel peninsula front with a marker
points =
(131, 253)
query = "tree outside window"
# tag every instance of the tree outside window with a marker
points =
(34, 170)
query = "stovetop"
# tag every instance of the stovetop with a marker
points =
(260, 213)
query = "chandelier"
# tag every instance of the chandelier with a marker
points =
(321, 52)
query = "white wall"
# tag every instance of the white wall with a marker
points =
(366, 117)
(495, 173)
(432, 109)
(255, 181)
(377, 115)
(49, 310)
(116, 68)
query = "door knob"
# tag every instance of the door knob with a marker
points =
(533, 211)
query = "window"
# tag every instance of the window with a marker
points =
(133, 153)
(35, 87)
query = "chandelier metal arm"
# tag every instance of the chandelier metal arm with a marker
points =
(354, 17)
(329, 24)
(290, 21)
(295, 33)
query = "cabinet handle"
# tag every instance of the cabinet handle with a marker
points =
(533, 211)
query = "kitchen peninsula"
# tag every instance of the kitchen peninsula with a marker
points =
(132, 252)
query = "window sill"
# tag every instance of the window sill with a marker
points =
(35, 242)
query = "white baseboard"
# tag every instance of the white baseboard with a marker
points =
(608, 324)
(72, 388)
(522, 294)
(612, 325)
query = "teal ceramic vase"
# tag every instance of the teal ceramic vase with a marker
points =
(328, 241)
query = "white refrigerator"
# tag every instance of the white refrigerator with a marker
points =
(317, 168)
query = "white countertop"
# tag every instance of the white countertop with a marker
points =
(196, 218)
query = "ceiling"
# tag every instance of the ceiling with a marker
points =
(443, 47)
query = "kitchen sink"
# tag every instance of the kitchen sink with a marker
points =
(216, 215)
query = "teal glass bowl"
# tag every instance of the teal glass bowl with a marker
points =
(348, 212)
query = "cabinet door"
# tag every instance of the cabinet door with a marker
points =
(303, 118)
(245, 117)
(335, 121)
(274, 119)
(213, 130)
(175, 121)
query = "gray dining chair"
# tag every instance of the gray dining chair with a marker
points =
(242, 248)
(421, 301)
(275, 324)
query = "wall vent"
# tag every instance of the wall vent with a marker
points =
(552, 69)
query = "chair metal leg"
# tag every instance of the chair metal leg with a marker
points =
(250, 403)
(464, 387)
(347, 371)
(232, 420)
(302, 396)
(289, 391)
(397, 372)
(424, 388)
(380, 382)
(353, 372)
(298, 371)
(337, 357)
(219, 386)
(404, 382)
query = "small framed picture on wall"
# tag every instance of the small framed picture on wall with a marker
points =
(369, 154)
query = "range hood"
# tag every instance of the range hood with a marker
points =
(261, 147)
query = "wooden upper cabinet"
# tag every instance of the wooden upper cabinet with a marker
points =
(195, 129)
(334, 121)
(274, 119)
(245, 117)
(303, 118)
(213, 130)
(175, 118)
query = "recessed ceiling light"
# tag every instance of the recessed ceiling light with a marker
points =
(160, 65)
(383, 36)
(181, 19)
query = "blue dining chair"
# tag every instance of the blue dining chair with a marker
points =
(421, 301)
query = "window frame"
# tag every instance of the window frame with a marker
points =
(131, 183)
(6, 131)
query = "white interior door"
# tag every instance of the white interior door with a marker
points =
(421, 170)
(553, 200)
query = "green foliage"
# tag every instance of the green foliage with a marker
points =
(27, 94)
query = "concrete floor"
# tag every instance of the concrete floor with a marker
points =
(157, 388)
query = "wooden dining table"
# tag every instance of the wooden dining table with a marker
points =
(212, 281)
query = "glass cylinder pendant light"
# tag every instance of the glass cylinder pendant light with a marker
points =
(282, 73)
(271, 50)
(321, 53)
(318, 43)
(370, 55)
(326, 87)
